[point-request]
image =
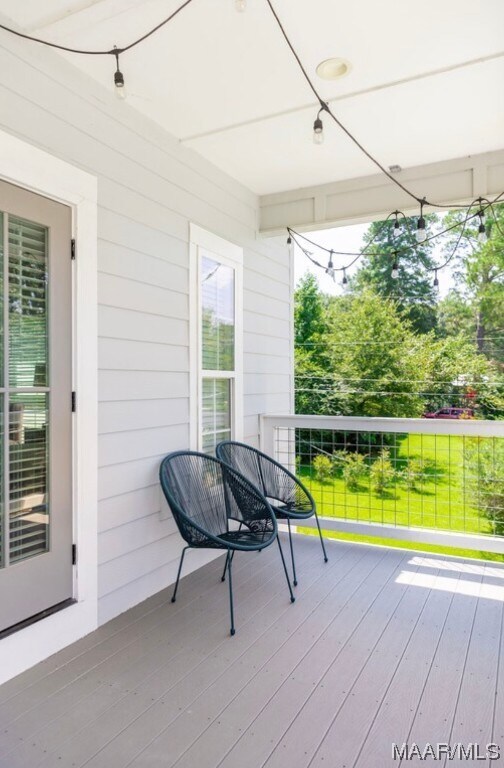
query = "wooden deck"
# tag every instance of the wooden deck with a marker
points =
(381, 646)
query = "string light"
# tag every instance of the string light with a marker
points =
(421, 234)
(436, 279)
(482, 233)
(330, 267)
(395, 268)
(345, 278)
(397, 227)
(120, 90)
(289, 240)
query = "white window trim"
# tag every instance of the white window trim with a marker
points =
(38, 171)
(231, 255)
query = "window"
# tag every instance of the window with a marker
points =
(217, 390)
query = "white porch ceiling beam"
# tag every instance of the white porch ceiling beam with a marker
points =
(367, 198)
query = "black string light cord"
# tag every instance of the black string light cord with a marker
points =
(115, 51)
(363, 252)
(295, 236)
(324, 107)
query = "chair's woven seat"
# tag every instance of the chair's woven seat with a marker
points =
(244, 538)
(291, 511)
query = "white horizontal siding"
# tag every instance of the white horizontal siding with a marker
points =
(139, 385)
(123, 416)
(123, 509)
(149, 190)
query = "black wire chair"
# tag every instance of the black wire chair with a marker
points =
(288, 497)
(215, 507)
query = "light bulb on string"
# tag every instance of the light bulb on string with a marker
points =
(330, 267)
(394, 274)
(241, 5)
(421, 234)
(436, 279)
(289, 240)
(318, 131)
(318, 125)
(397, 227)
(482, 233)
(345, 278)
(120, 89)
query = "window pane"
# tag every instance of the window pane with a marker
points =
(28, 471)
(218, 316)
(27, 303)
(216, 412)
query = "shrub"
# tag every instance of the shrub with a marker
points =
(382, 472)
(354, 470)
(413, 473)
(322, 466)
(338, 460)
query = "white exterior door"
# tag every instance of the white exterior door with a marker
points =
(35, 405)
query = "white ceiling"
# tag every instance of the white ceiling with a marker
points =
(426, 82)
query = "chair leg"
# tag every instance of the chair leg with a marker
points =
(174, 596)
(321, 538)
(292, 554)
(223, 577)
(285, 569)
(229, 560)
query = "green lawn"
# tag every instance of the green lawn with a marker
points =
(444, 499)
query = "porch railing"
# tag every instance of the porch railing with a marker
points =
(421, 480)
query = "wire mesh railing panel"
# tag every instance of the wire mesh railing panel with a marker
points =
(448, 482)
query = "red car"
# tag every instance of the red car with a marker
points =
(450, 413)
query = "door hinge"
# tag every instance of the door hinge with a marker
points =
(72, 248)
(74, 554)
(74, 402)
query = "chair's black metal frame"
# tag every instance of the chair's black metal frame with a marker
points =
(288, 497)
(207, 498)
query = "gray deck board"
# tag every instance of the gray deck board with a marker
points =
(381, 646)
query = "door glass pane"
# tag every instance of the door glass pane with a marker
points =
(216, 412)
(27, 303)
(28, 472)
(2, 489)
(218, 315)
(2, 291)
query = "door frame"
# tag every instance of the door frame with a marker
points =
(34, 169)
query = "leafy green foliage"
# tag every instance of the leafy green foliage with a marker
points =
(484, 468)
(354, 470)
(377, 351)
(322, 467)
(476, 304)
(413, 291)
(382, 473)
(413, 474)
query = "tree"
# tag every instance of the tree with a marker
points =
(365, 363)
(478, 301)
(370, 362)
(308, 310)
(310, 325)
(413, 290)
